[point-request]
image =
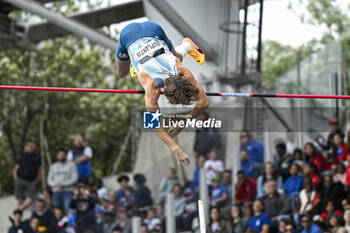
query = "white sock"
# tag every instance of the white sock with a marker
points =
(183, 49)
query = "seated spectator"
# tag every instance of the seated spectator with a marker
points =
(17, 224)
(61, 219)
(213, 166)
(290, 227)
(279, 205)
(335, 224)
(62, 178)
(131, 202)
(151, 220)
(123, 181)
(345, 204)
(196, 175)
(218, 197)
(308, 226)
(254, 147)
(45, 216)
(227, 182)
(102, 192)
(293, 185)
(248, 209)
(330, 192)
(216, 223)
(308, 198)
(142, 193)
(346, 218)
(246, 188)
(269, 174)
(334, 125)
(282, 226)
(122, 221)
(259, 222)
(340, 175)
(339, 148)
(157, 229)
(27, 173)
(179, 204)
(247, 165)
(166, 184)
(282, 160)
(144, 228)
(317, 159)
(81, 155)
(83, 204)
(34, 225)
(330, 209)
(190, 209)
(309, 171)
(298, 157)
(160, 215)
(237, 222)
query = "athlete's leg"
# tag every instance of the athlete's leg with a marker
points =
(188, 47)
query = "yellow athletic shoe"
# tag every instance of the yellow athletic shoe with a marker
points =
(132, 72)
(196, 52)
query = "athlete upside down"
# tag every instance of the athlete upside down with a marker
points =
(158, 64)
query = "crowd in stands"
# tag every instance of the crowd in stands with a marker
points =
(303, 190)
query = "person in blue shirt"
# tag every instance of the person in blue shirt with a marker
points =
(293, 185)
(259, 222)
(123, 181)
(247, 165)
(254, 147)
(158, 64)
(308, 226)
(218, 197)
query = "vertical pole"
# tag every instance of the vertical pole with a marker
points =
(203, 193)
(245, 23)
(170, 217)
(258, 61)
(136, 224)
(202, 224)
(336, 87)
(235, 168)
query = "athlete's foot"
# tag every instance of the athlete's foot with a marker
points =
(196, 52)
(132, 72)
(182, 157)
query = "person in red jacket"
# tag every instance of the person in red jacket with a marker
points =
(246, 188)
(339, 149)
(319, 160)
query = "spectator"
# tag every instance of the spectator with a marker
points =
(27, 173)
(283, 160)
(131, 202)
(216, 224)
(34, 225)
(334, 125)
(298, 157)
(291, 145)
(330, 192)
(334, 224)
(269, 174)
(237, 223)
(144, 228)
(62, 178)
(61, 219)
(309, 171)
(196, 175)
(308, 199)
(157, 229)
(151, 220)
(259, 222)
(213, 166)
(293, 185)
(122, 221)
(167, 183)
(101, 191)
(84, 206)
(329, 211)
(123, 181)
(160, 215)
(339, 149)
(227, 182)
(290, 227)
(308, 226)
(190, 209)
(142, 193)
(248, 209)
(254, 147)
(346, 217)
(17, 224)
(45, 216)
(117, 230)
(282, 226)
(247, 165)
(206, 138)
(340, 175)
(218, 197)
(279, 205)
(81, 155)
(246, 188)
(317, 159)
(179, 204)
(345, 204)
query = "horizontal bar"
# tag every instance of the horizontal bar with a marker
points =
(119, 91)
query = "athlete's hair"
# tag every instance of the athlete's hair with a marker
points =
(179, 91)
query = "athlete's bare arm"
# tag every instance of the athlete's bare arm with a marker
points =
(152, 93)
(122, 67)
(202, 99)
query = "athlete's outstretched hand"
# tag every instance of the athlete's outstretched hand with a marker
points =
(174, 131)
(182, 157)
